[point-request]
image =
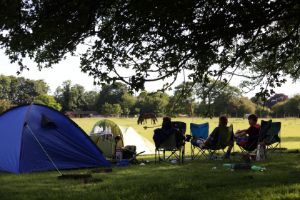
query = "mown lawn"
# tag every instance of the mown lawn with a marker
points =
(192, 180)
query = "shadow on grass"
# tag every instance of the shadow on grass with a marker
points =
(291, 139)
(200, 179)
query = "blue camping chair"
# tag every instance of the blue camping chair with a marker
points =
(198, 131)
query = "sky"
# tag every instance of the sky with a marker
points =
(69, 70)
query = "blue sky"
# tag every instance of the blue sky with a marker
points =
(69, 70)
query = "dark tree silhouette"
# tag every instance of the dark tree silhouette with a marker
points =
(140, 41)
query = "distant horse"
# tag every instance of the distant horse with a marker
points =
(143, 118)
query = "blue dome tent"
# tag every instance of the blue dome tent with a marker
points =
(38, 138)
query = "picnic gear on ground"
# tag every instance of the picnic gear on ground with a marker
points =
(243, 166)
(38, 138)
(258, 168)
(237, 166)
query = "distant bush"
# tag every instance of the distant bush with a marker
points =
(4, 105)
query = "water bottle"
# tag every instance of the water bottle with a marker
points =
(228, 165)
(258, 168)
(258, 153)
(237, 166)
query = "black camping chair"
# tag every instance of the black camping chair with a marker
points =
(174, 144)
(269, 135)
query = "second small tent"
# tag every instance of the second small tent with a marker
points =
(105, 131)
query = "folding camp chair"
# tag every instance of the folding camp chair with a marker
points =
(174, 144)
(271, 135)
(224, 141)
(198, 131)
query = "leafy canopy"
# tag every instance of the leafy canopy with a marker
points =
(141, 41)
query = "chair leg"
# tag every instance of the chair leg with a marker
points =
(192, 152)
(183, 153)
(155, 156)
(158, 153)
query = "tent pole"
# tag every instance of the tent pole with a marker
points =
(43, 149)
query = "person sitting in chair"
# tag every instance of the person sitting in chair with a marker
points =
(248, 139)
(161, 134)
(212, 141)
(118, 147)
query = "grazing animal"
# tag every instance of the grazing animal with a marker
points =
(143, 118)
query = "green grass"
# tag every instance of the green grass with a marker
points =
(191, 180)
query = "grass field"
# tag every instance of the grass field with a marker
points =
(199, 179)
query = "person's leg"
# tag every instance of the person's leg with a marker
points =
(229, 149)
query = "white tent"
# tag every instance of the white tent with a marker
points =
(131, 137)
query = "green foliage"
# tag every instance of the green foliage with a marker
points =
(152, 102)
(4, 105)
(262, 111)
(111, 109)
(183, 100)
(278, 110)
(126, 111)
(245, 107)
(90, 98)
(288, 108)
(127, 103)
(74, 97)
(19, 90)
(219, 98)
(116, 109)
(155, 40)
(292, 106)
(114, 94)
(106, 109)
(47, 100)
